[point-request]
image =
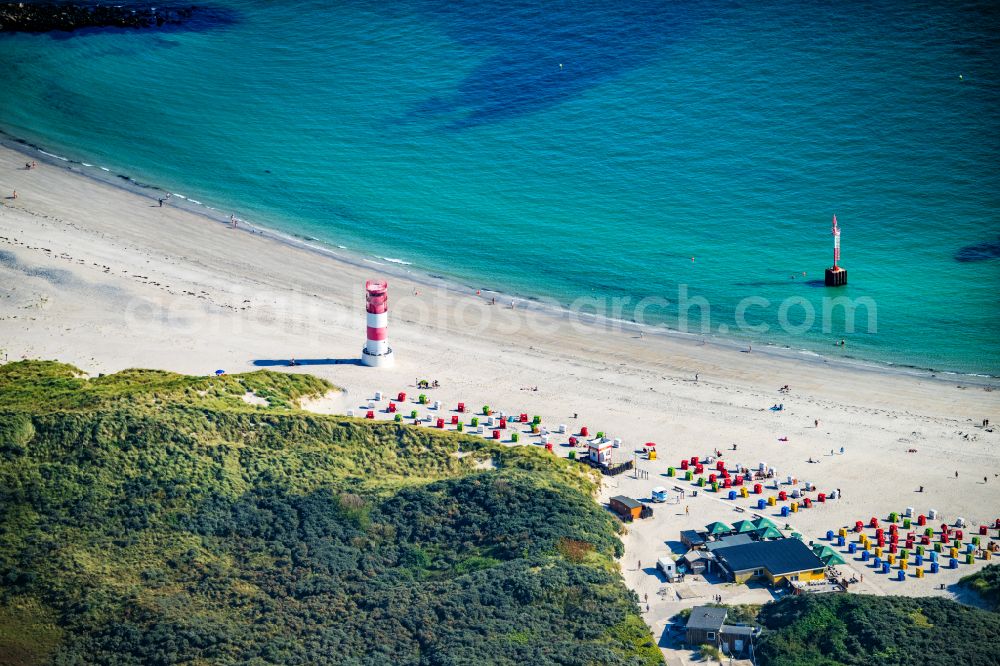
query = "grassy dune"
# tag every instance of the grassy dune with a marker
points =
(149, 517)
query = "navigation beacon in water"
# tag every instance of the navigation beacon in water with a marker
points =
(836, 276)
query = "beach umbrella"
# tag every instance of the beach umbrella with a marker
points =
(832, 559)
(763, 522)
(823, 551)
(796, 535)
(718, 528)
(769, 533)
(220, 372)
(744, 526)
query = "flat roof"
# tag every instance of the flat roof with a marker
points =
(779, 557)
(735, 630)
(708, 618)
(727, 541)
(627, 501)
(693, 536)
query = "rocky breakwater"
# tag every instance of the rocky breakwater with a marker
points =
(47, 17)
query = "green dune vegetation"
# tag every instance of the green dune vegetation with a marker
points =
(835, 629)
(985, 583)
(154, 518)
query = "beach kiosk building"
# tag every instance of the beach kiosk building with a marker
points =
(599, 451)
(776, 562)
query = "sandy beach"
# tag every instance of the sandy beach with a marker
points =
(104, 278)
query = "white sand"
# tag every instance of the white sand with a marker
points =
(105, 279)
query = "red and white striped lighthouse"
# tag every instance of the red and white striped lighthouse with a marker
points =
(377, 352)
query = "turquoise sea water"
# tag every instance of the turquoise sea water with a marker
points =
(586, 149)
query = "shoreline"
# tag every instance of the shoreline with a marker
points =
(407, 271)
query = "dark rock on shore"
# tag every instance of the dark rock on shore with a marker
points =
(51, 16)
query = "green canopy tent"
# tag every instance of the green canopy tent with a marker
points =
(769, 533)
(744, 527)
(763, 522)
(718, 528)
(823, 551)
(832, 559)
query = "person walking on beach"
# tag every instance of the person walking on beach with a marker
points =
(956, 473)
(816, 423)
(687, 510)
(14, 196)
(161, 202)
(232, 221)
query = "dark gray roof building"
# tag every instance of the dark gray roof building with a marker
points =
(707, 618)
(778, 557)
(707, 624)
(692, 538)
